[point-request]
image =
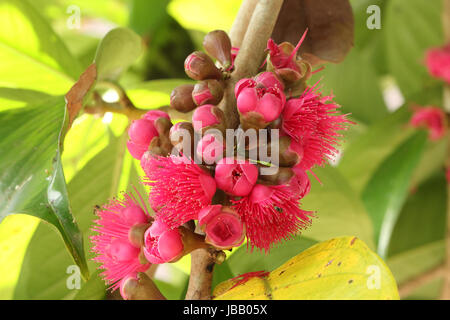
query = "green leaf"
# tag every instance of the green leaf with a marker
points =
(409, 264)
(364, 155)
(116, 52)
(15, 234)
(43, 274)
(341, 214)
(355, 87)
(11, 98)
(93, 289)
(423, 215)
(342, 268)
(37, 58)
(411, 27)
(32, 179)
(387, 190)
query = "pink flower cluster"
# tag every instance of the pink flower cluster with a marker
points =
(228, 196)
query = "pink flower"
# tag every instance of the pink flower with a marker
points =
(162, 244)
(283, 60)
(206, 116)
(269, 80)
(142, 132)
(179, 188)
(432, 118)
(116, 254)
(301, 181)
(223, 227)
(271, 214)
(236, 177)
(315, 124)
(438, 62)
(267, 102)
(211, 148)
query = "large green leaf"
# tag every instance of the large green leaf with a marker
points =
(43, 274)
(388, 188)
(411, 27)
(36, 57)
(423, 215)
(364, 155)
(342, 268)
(355, 86)
(31, 179)
(338, 208)
(116, 52)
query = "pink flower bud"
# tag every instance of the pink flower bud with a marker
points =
(236, 177)
(134, 215)
(438, 62)
(207, 92)
(432, 118)
(210, 148)
(162, 244)
(267, 102)
(269, 80)
(142, 132)
(303, 183)
(136, 150)
(225, 230)
(123, 250)
(207, 213)
(199, 66)
(206, 116)
(154, 115)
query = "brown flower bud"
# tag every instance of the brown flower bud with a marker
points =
(283, 176)
(181, 98)
(199, 66)
(177, 135)
(208, 92)
(218, 45)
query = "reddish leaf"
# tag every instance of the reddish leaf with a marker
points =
(330, 28)
(76, 95)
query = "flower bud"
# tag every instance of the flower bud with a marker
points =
(302, 180)
(208, 116)
(207, 92)
(210, 148)
(182, 138)
(138, 286)
(269, 80)
(136, 151)
(218, 45)
(181, 98)
(207, 213)
(199, 66)
(290, 152)
(258, 105)
(123, 250)
(225, 229)
(162, 244)
(236, 177)
(142, 131)
(154, 115)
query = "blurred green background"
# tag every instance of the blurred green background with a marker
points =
(388, 188)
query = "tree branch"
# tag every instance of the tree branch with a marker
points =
(240, 24)
(251, 53)
(445, 294)
(410, 286)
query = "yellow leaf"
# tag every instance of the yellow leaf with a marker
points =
(341, 268)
